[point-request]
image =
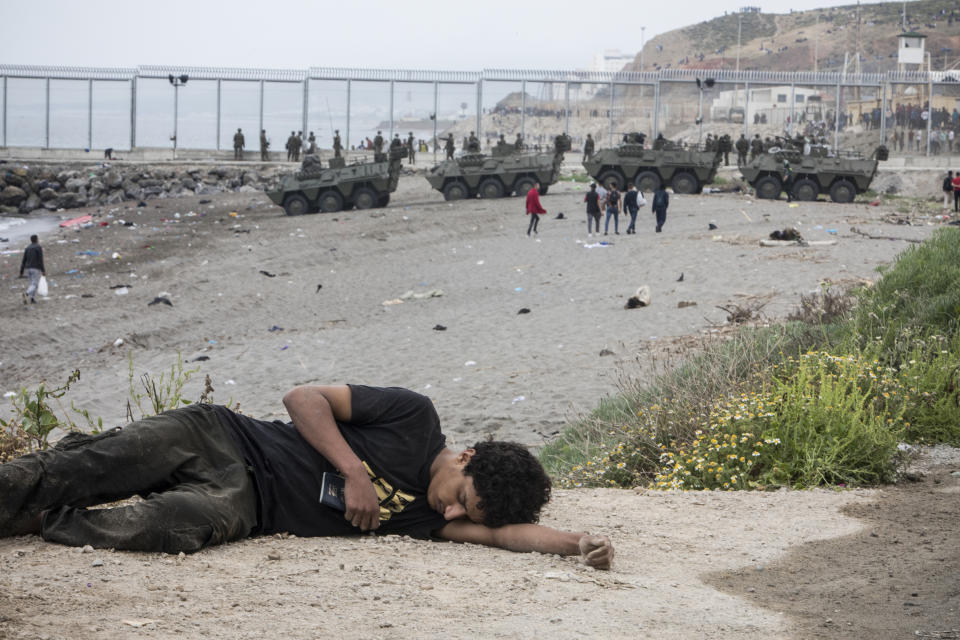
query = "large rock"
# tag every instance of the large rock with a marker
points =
(248, 189)
(64, 176)
(47, 194)
(150, 182)
(76, 184)
(112, 179)
(70, 200)
(251, 177)
(5, 209)
(11, 177)
(12, 196)
(115, 196)
(188, 182)
(31, 203)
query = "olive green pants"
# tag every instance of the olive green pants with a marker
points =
(195, 485)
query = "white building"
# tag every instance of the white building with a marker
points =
(764, 100)
(612, 60)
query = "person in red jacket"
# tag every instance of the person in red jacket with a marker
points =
(534, 209)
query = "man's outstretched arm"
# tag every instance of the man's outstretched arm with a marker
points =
(595, 550)
(314, 410)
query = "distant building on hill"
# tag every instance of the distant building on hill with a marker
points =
(612, 60)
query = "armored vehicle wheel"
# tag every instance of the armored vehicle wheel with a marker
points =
(647, 181)
(543, 189)
(523, 186)
(364, 198)
(684, 182)
(330, 201)
(296, 205)
(842, 191)
(455, 191)
(611, 176)
(768, 187)
(806, 189)
(383, 200)
(490, 188)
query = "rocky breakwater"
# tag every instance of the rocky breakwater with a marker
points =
(24, 189)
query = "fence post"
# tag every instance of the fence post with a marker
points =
(656, 109)
(566, 108)
(746, 110)
(523, 107)
(90, 113)
(46, 109)
(349, 88)
(479, 106)
(610, 114)
(4, 111)
(133, 113)
(391, 111)
(218, 114)
(793, 107)
(306, 103)
(261, 105)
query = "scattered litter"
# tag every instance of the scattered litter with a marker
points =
(560, 216)
(118, 342)
(319, 286)
(230, 382)
(137, 624)
(793, 205)
(523, 310)
(200, 359)
(832, 231)
(433, 293)
(639, 299)
(233, 214)
(160, 300)
(605, 352)
(97, 563)
(439, 327)
(76, 222)
(787, 234)
(479, 262)
(115, 256)
(9, 394)
(683, 304)
(717, 238)
(598, 245)
(712, 227)
(122, 291)
(275, 328)
(205, 202)
(745, 215)
(469, 363)
(88, 252)
(680, 279)
(875, 203)
(387, 303)
(120, 286)
(284, 347)
(518, 399)
(268, 274)
(141, 204)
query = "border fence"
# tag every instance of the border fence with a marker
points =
(130, 107)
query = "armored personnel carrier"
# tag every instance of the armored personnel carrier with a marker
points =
(841, 176)
(493, 176)
(341, 186)
(686, 169)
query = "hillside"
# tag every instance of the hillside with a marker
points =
(787, 42)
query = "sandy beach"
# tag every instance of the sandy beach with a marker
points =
(269, 301)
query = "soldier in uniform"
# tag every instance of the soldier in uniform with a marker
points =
(743, 146)
(378, 143)
(501, 144)
(264, 144)
(588, 147)
(291, 143)
(238, 143)
(411, 149)
(337, 145)
(724, 146)
(473, 143)
(298, 146)
(449, 146)
(518, 143)
(756, 147)
(660, 142)
(788, 180)
(709, 144)
(311, 144)
(395, 142)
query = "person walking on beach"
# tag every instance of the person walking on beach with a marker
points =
(613, 209)
(534, 209)
(32, 263)
(947, 188)
(631, 204)
(661, 200)
(238, 144)
(956, 192)
(264, 144)
(592, 198)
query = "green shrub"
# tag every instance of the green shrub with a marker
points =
(918, 296)
(931, 375)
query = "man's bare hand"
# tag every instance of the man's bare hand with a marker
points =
(363, 508)
(596, 551)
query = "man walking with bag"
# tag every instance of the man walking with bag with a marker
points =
(32, 263)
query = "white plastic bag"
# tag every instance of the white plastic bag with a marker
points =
(641, 201)
(42, 289)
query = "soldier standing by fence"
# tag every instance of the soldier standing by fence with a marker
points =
(238, 143)
(264, 144)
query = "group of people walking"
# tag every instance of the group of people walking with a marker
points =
(610, 200)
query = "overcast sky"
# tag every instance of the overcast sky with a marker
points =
(406, 34)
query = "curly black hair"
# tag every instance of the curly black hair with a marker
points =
(510, 482)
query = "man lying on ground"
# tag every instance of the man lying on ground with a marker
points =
(208, 475)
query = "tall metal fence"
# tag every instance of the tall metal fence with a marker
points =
(127, 108)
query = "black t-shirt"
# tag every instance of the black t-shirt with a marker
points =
(394, 431)
(593, 202)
